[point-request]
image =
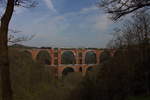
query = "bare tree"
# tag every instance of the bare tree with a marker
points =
(135, 31)
(4, 60)
(134, 36)
(119, 8)
(13, 39)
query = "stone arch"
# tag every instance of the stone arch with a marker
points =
(44, 57)
(104, 56)
(90, 57)
(68, 57)
(67, 70)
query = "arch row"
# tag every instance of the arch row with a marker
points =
(65, 70)
(79, 55)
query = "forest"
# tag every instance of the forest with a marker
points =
(125, 76)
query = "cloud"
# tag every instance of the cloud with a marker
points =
(50, 5)
(85, 28)
(92, 8)
(102, 23)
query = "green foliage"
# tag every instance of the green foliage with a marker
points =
(27, 76)
(115, 79)
(119, 78)
(33, 81)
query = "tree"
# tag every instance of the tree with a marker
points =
(134, 37)
(135, 31)
(119, 8)
(4, 59)
(13, 39)
(127, 73)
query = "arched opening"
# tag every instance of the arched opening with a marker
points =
(67, 70)
(104, 56)
(89, 68)
(90, 58)
(68, 58)
(80, 69)
(44, 57)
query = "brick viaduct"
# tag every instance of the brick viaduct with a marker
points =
(79, 55)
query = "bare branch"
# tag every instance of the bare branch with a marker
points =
(15, 39)
(134, 32)
(119, 8)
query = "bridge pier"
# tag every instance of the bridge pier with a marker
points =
(79, 54)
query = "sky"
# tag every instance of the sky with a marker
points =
(63, 23)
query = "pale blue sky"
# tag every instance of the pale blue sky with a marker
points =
(64, 23)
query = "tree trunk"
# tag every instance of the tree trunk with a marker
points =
(4, 60)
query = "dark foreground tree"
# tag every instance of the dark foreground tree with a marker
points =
(119, 8)
(4, 60)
